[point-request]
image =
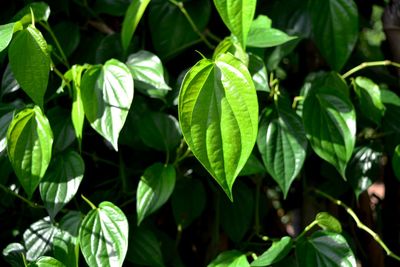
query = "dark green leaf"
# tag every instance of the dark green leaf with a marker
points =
(41, 12)
(46, 261)
(109, 48)
(66, 248)
(63, 131)
(6, 33)
(258, 73)
(391, 119)
(14, 254)
(328, 222)
(230, 258)
(217, 108)
(279, 250)
(5, 121)
(396, 162)
(8, 83)
(71, 222)
(111, 7)
(68, 36)
(252, 166)
(231, 45)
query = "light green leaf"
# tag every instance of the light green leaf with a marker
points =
(282, 143)
(14, 254)
(30, 68)
(279, 250)
(258, 72)
(131, 19)
(262, 34)
(230, 258)
(155, 187)
(6, 33)
(218, 114)
(237, 16)
(231, 45)
(328, 222)
(61, 181)
(148, 74)
(29, 141)
(396, 162)
(41, 12)
(103, 236)
(107, 94)
(330, 120)
(46, 261)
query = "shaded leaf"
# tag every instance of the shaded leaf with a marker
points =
(14, 254)
(8, 83)
(46, 261)
(252, 166)
(66, 248)
(41, 12)
(396, 162)
(258, 72)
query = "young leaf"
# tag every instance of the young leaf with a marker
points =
(237, 16)
(230, 258)
(155, 187)
(41, 12)
(231, 45)
(131, 19)
(107, 94)
(30, 68)
(29, 142)
(279, 250)
(14, 254)
(258, 72)
(218, 113)
(396, 162)
(6, 33)
(103, 236)
(46, 261)
(330, 120)
(328, 222)
(61, 181)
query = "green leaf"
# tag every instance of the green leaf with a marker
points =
(330, 120)
(231, 45)
(391, 119)
(107, 94)
(61, 181)
(237, 16)
(148, 73)
(103, 236)
(262, 34)
(41, 12)
(279, 250)
(188, 201)
(111, 7)
(46, 261)
(5, 121)
(29, 141)
(335, 29)
(131, 19)
(66, 248)
(252, 166)
(325, 248)
(14, 254)
(396, 162)
(63, 131)
(282, 143)
(6, 33)
(328, 222)
(38, 238)
(369, 97)
(30, 68)
(8, 83)
(71, 222)
(217, 108)
(110, 47)
(258, 72)
(68, 36)
(155, 187)
(230, 258)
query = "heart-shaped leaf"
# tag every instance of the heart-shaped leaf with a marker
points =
(66, 248)
(46, 261)
(328, 222)
(6, 33)
(279, 250)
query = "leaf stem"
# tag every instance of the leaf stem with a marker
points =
(47, 27)
(370, 64)
(208, 33)
(308, 228)
(89, 202)
(360, 224)
(30, 203)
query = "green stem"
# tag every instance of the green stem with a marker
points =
(191, 22)
(370, 64)
(89, 202)
(30, 203)
(308, 228)
(178, 238)
(360, 224)
(47, 27)
(296, 100)
(212, 36)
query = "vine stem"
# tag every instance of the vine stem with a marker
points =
(30, 203)
(93, 206)
(370, 64)
(191, 22)
(360, 224)
(47, 27)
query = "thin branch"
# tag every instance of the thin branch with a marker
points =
(30, 203)
(370, 64)
(47, 27)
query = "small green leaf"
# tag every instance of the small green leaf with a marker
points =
(231, 45)
(237, 16)
(61, 181)
(258, 72)
(30, 68)
(262, 34)
(279, 250)
(41, 12)
(103, 236)
(328, 222)
(131, 19)
(29, 141)
(230, 258)
(218, 108)
(46, 261)
(6, 33)
(107, 94)
(14, 254)
(396, 162)
(155, 187)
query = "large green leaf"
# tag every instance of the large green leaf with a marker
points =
(29, 142)
(237, 16)
(148, 74)
(330, 121)
(155, 187)
(335, 29)
(66, 248)
(231, 45)
(30, 68)
(6, 33)
(282, 143)
(107, 94)
(131, 19)
(262, 34)
(61, 181)
(230, 258)
(218, 114)
(103, 236)
(325, 249)
(279, 250)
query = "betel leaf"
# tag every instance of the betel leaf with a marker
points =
(369, 98)
(218, 114)
(334, 28)
(330, 120)
(41, 12)
(61, 181)
(30, 68)
(282, 143)
(258, 72)
(5, 121)
(325, 248)
(6, 33)
(71, 222)
(231, 45)
(391, 119)
(29, 142)
(275, 253)
(262, 34)
(14, 254)
(237, 16)
(110, 47)
(328, 222)
(396, 162)
(131, 19)
(155, 187)
(66, 248)
(230, 258)
(46, 261)
(103, 236)
(8, 82)
(148, 73)
(107, 94)
(63, 130)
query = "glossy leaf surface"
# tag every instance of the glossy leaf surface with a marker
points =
(41, 12)
(231, 45)
(279, 250)
(47, 261)
(230, 258)
(328, 222)
(258, 72)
